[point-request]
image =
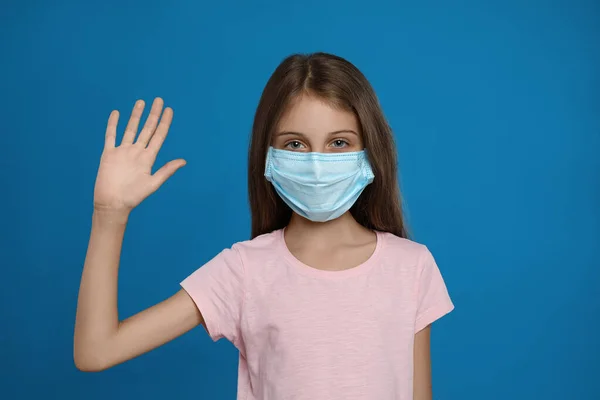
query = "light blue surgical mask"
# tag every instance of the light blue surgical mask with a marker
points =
(318, 186)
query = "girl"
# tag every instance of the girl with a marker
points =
(329, 299)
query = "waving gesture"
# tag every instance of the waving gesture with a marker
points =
(125, 176)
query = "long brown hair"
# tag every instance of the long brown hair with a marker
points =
(342, 85)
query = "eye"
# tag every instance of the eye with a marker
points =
(340, 143)
(294, 145)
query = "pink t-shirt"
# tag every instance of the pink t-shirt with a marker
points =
(309, 334)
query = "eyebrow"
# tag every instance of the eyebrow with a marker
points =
(287, 133)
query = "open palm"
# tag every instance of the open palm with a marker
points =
(125, 176)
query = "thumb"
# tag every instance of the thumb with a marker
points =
(167, 171)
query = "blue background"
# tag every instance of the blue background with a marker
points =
(496, 110)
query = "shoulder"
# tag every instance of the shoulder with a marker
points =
(265, 242)
(259, 248)
(402, 248)
(235, 261)
(405, 256)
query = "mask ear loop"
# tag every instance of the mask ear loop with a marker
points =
(268, 164)
(366, 166)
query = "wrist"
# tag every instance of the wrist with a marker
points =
(111, 216)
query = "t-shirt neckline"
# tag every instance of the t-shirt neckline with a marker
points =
(320, 273)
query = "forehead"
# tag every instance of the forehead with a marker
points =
(312, 115)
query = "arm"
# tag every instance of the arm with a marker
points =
(433, 302)
(101, 340)
(422, 365)
(124, 180)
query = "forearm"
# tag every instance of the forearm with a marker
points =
(97, 317)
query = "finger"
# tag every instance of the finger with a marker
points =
(166, 172)
(111, 130)
(151, 122)
(161, 132)
(134, 121)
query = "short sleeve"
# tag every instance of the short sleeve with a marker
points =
(432, 295)
(217, 288)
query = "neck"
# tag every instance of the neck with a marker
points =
(324, 233)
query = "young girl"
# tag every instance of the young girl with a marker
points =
(329, 299)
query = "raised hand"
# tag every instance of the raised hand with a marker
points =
(125, 176)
